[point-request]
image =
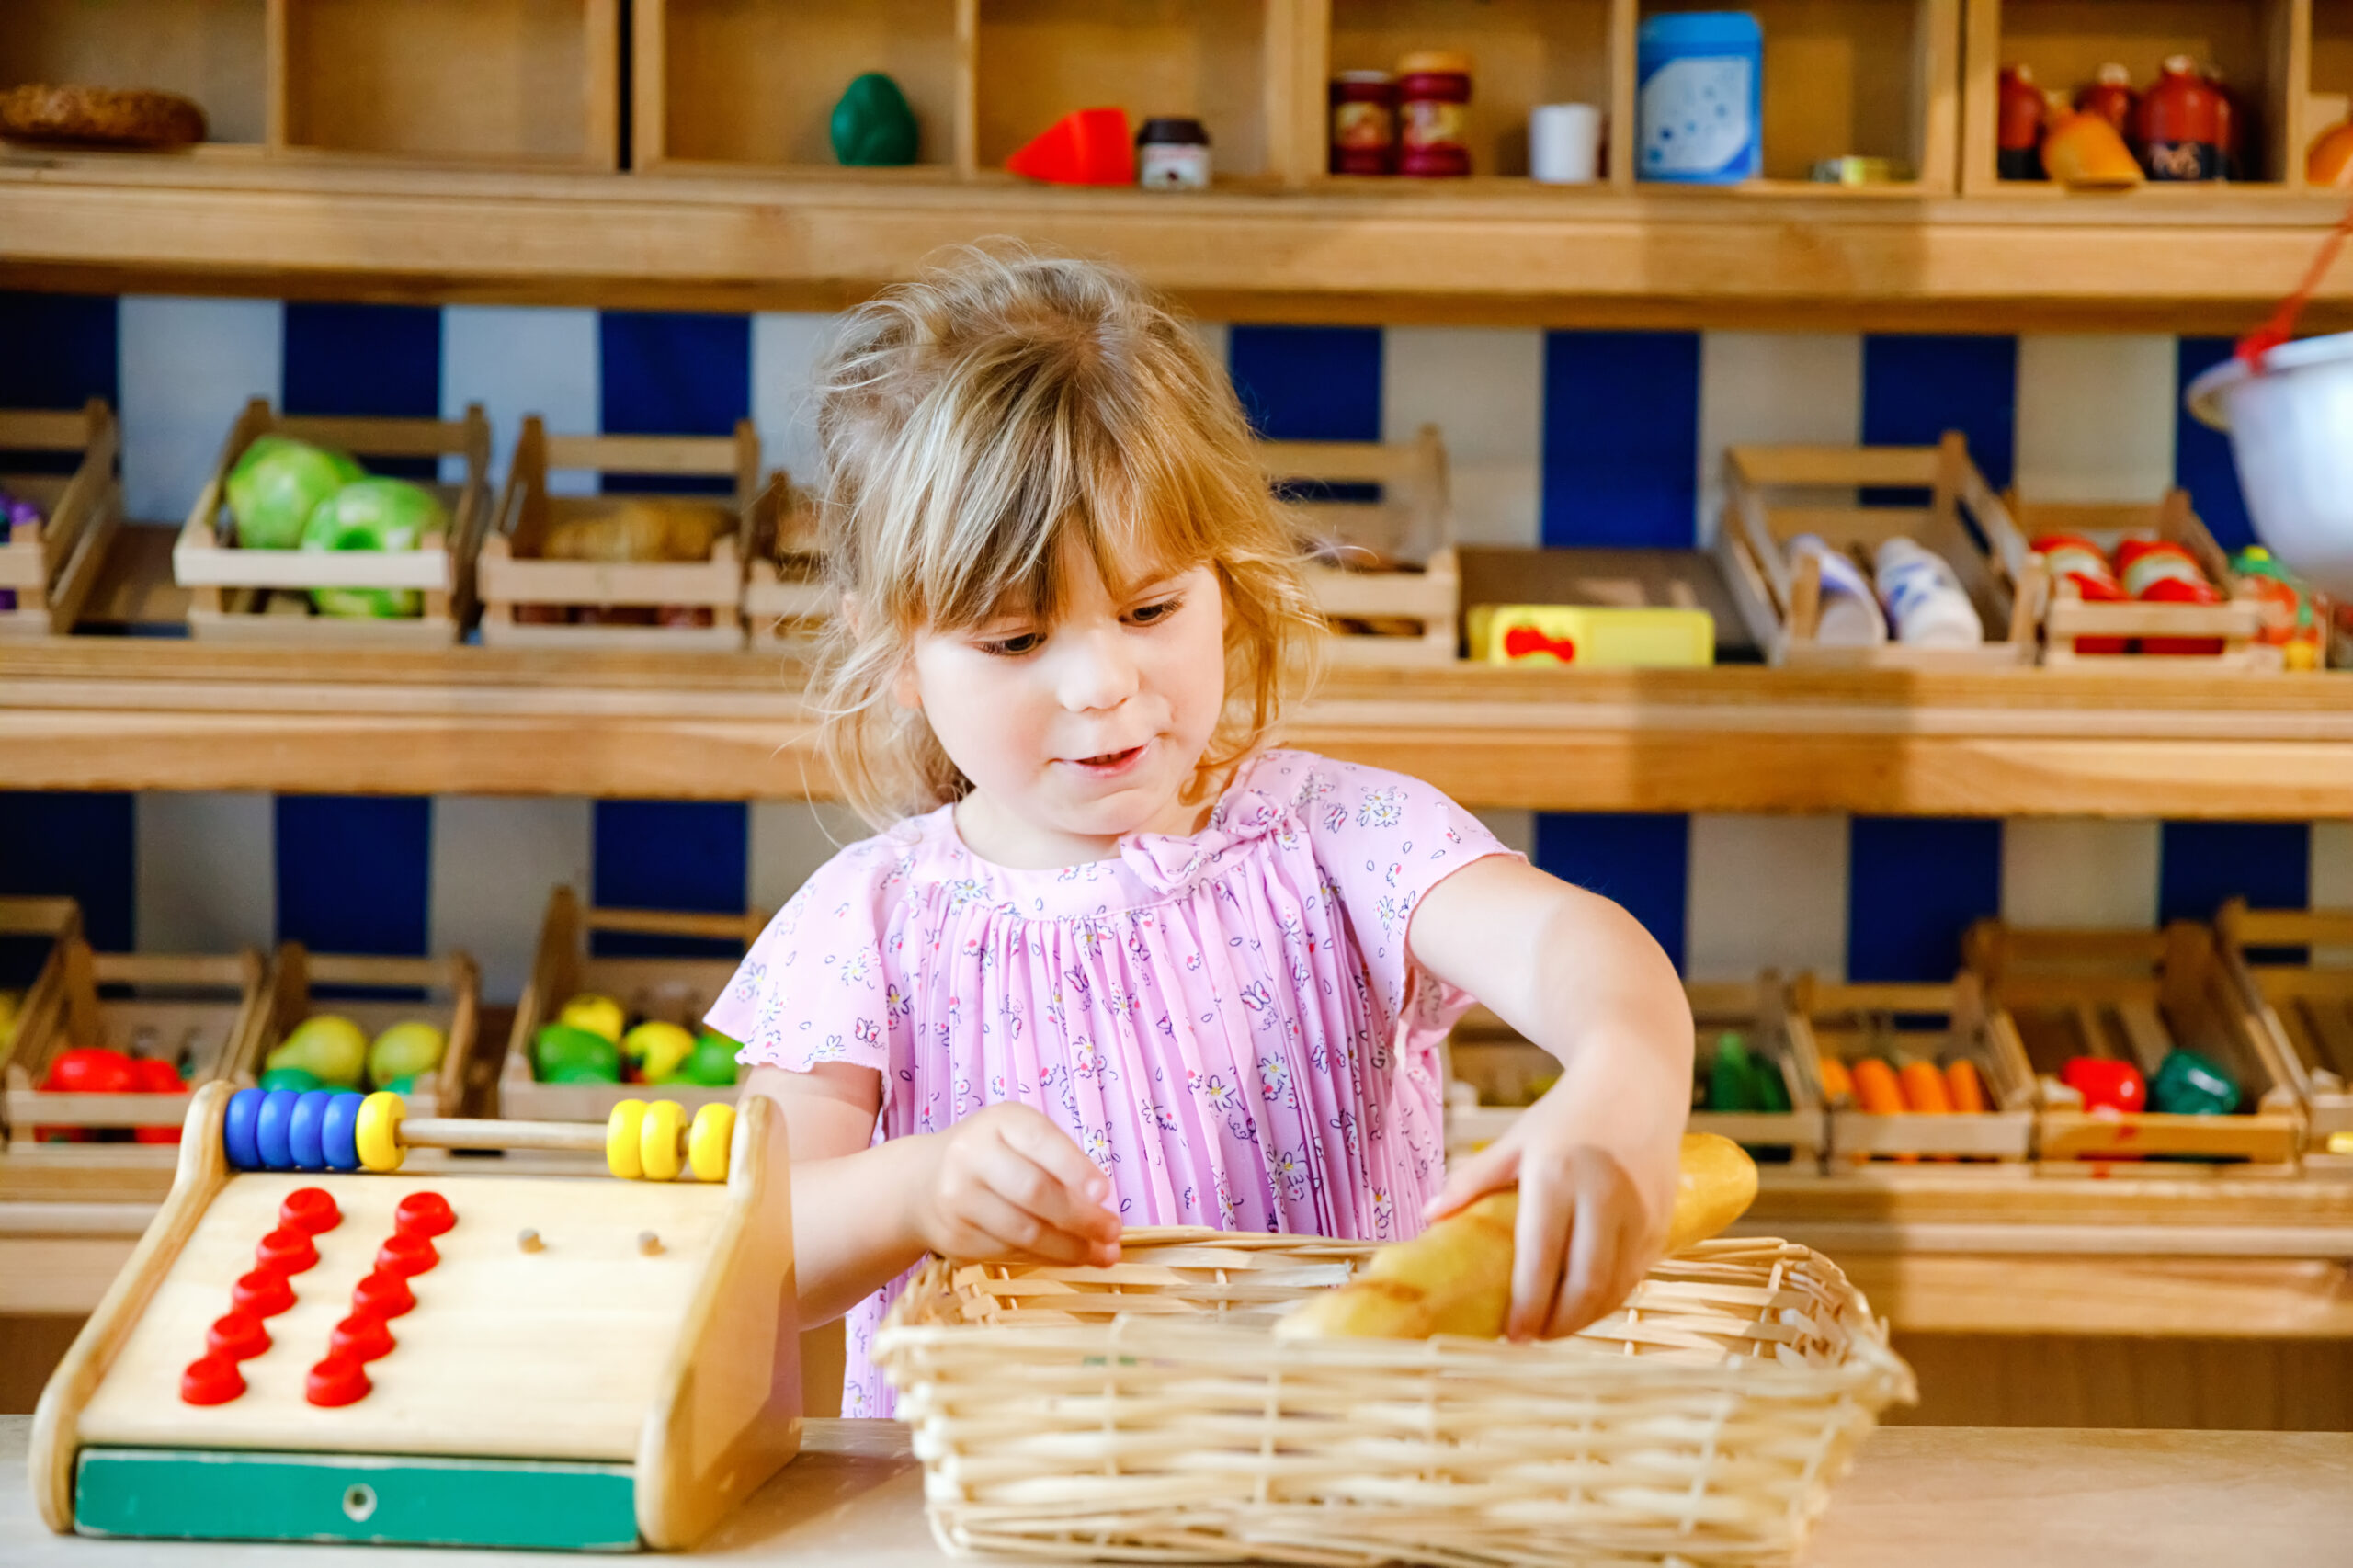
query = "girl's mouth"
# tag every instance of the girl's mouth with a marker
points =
(1109, 762)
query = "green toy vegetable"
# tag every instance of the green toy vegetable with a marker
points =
(872, 125)
(711, 1063)
(277, 484)
(380, 514)
(562, 1055)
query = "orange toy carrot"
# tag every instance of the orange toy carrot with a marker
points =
(1924, 1088)
(1966, 1089)
(1875, 1086)
(1836, 1083)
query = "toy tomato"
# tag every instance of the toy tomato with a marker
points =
(2106, 1085)
(91, 1070)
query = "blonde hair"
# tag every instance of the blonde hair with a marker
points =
(980, 421)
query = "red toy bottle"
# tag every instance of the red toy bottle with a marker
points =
(2183, 124)
(2017, 125)
(2110, 96)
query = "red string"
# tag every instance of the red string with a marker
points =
(2282, 324)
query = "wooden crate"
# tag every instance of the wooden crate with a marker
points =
(1493, 1073)
(522, 594)
(1403, 605)
(1932, 1022)
(509, 82)
(2304, 1009)
(2068, 615)
(1772, 495)
(786, 599)
(447, 994)
(263, 595)
(2263, 48)
(2134, 995)
(47, 924)
(52, 565)
(677, 989)
(201, 1011)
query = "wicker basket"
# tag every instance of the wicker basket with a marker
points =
(1144, 1413)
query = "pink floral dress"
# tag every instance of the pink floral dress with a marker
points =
(1228, 1024)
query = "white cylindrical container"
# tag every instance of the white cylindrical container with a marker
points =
(1924, 597)
(2291, 431)
(1850, 615)
(1564, 143)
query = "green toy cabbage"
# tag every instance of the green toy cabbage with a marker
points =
(277, 484)
(377, 514)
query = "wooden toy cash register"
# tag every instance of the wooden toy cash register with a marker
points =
(308, 1345)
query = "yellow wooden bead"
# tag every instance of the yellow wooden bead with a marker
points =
(708, 1142)
(377, 1130)
(622, 1130)
(657, 1143)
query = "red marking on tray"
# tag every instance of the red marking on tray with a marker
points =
(424, 1215)
(285, 1251)
(211, 1380)
(1522, 641)
(309, 1210)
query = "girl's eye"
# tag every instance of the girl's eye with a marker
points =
(1014, 646)
(1144, 615)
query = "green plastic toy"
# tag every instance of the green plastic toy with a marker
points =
(2189, 1083)
(563, 1054)
(873, 128)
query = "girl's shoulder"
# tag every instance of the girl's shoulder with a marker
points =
(873, 873)
(1328, 794)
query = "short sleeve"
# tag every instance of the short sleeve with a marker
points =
(816, 986)
(1382, 841)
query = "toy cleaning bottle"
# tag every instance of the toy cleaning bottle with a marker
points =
(1850, 615)
(1925, 598)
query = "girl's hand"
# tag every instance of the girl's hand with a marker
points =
(1006, 1185)
(1596, 1189)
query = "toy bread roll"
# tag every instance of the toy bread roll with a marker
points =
(1455, 1277)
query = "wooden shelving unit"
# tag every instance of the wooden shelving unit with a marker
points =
(475, 152)
(137, 714)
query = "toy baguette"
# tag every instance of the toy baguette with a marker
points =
(1455, 1277)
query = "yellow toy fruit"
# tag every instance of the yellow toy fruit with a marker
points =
(9, 1004)
(409, 1049)
(597, 1014)
(330, 1048)
(1455, 1277)
(655, 1048)
(624, 1130)
(708, 1141)
(657, 1142)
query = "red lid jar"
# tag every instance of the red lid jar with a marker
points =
(2017, 125)
(1364, 123)
(2110, 96)
(2183, 123)
(1433, 114)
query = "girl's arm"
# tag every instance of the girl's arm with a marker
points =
(1595, 1158)
(1003, 1183)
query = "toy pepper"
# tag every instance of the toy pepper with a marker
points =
(2106, 1085)
(2189, 1083)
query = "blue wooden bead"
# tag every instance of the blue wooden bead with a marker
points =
(245, 1107)
(340, 1130)
(303, 1127)
(271, 1127)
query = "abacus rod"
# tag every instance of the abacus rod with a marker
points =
(455, 1132)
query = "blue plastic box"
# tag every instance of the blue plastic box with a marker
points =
(1700, 97)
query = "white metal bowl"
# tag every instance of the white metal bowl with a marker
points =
(2291, 430)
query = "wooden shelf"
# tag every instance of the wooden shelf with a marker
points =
(226, 222)
(104, 713)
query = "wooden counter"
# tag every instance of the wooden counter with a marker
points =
(113, 713)
(1926, 1497)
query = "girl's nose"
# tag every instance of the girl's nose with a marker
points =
(1094, 672)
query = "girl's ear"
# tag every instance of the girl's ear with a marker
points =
(905, 685)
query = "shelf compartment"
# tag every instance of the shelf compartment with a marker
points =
(375, 993)
(736, 83)
(51, 568)
(1216, 61)
(2295, 968)
(1933, 1023)
(495, 81)
(1877, 78)
(215, 51)
(2260, 46)
(675, 989)
(1523, 53)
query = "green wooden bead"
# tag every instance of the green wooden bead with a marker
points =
(872, 126)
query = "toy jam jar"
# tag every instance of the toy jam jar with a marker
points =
(2017, 126)
(2183, 124)
(1364, 123)
(1173, 154)
(2110, 96)
(1434, 114)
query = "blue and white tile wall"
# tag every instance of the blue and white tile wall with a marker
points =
(1558, 438)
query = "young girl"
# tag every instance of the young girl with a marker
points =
(1112, 960)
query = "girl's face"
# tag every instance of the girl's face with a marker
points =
(1080, 732)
